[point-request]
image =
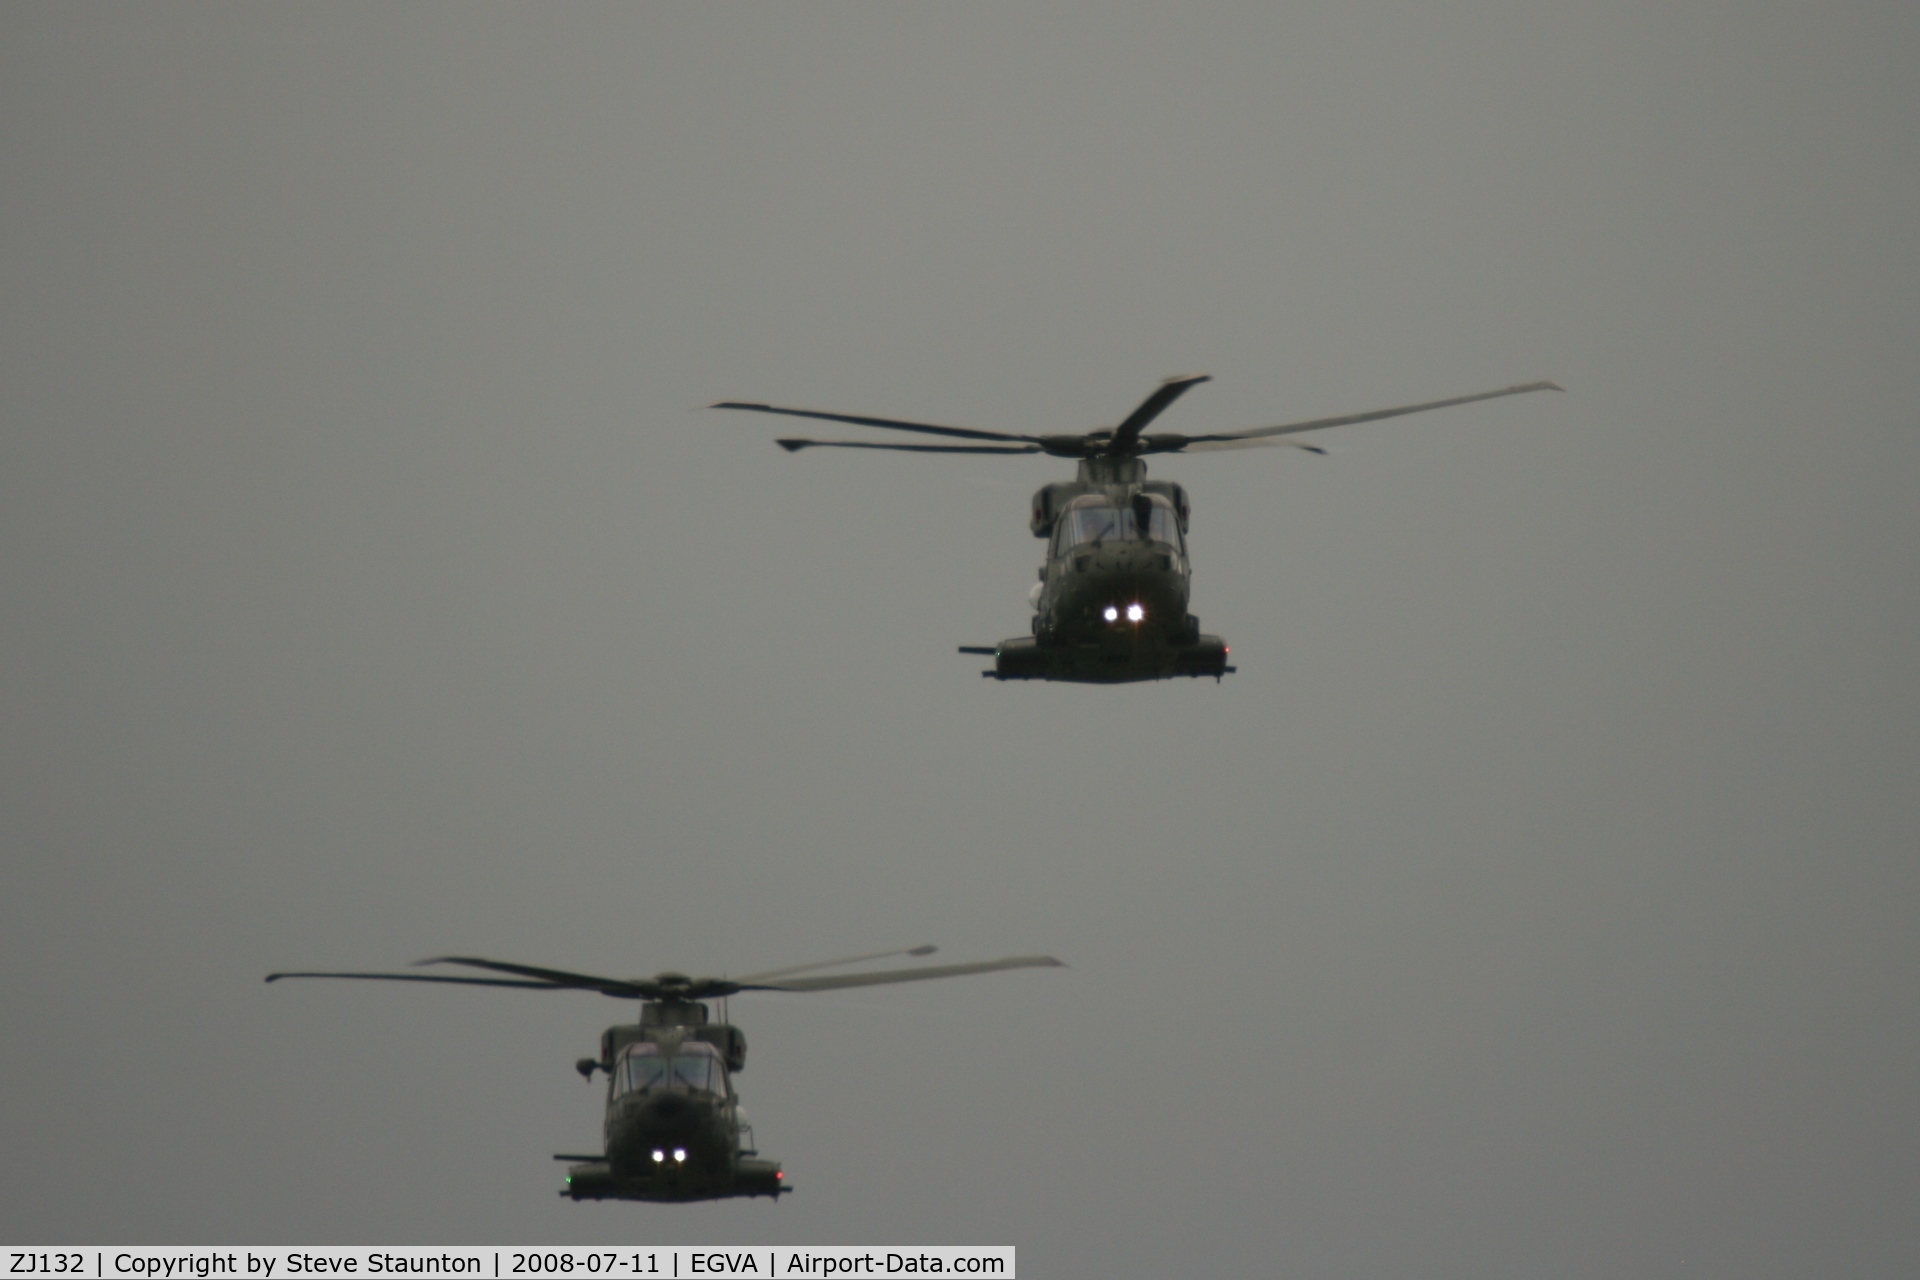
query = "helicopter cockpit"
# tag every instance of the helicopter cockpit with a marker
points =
(694, 1065)
(1093, 518)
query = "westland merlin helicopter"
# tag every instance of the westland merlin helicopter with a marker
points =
(1111, 603)
(674, 1128)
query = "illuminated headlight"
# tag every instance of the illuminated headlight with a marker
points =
(1112, 614)
(679, 1155)
(658, 1156)
(1135, 612)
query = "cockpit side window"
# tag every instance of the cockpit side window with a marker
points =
(1062, 533)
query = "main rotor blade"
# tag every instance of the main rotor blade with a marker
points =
(1267, 442)
(556, 977)
(833, 982)
(428, 977)
(926, 428)
(1317, 424)
(923, 950)
(794, 446)
(1153, 406)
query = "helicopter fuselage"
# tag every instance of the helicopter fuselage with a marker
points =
(674, 1129)
(1111, 605)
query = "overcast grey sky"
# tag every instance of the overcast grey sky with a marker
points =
(1538, 898)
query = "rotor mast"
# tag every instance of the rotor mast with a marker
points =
(672, 1012)
(1104, 470)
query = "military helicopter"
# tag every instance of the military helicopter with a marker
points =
(1111, 603)
(674, 1129)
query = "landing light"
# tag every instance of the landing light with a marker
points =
(679, 1155)
(1135, 613)
(658, 1156)
(1112, 614)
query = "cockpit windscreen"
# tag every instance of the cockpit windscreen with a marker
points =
(1089, 519)
(694, 1065)
(641, 1067)
(698, 1067)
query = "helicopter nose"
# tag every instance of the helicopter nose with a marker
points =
(675, 1112)
(668, 1107)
